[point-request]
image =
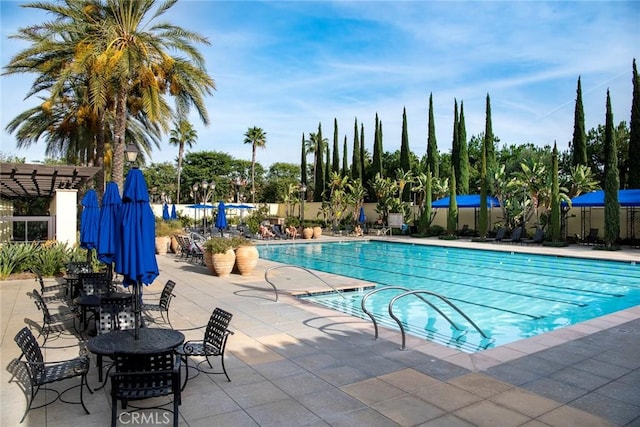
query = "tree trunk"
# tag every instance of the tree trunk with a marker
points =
(117, 170)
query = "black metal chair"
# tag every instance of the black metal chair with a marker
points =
(54, 322)
(56, 292)
(163, 303)
(213, 344)
(95, 284)
(147, 376)
(113, 315)
(41, 373)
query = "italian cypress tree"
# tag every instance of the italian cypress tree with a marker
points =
(634, 133)
(303, 163)
(433, 160)
(356, 172)
(376, 167)
(488, 135)
(579, 142)
(345, 165)
(455, 148)
(463, 173)
(555, 196)
(319, 167)
(363, 170)
(335, 164)
(452, 214)
(611, 181)
(483, 220)
(405, 157)
(425, 219)
(327, 174)
(380, 147)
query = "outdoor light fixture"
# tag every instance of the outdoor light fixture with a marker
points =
(131, 151)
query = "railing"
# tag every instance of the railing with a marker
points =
(268, 270)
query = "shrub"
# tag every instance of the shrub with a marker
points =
(15, 258)
(218, 245)
(51, 257)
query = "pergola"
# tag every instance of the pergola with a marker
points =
(19, 180)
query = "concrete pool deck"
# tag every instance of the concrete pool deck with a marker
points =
(294, 363)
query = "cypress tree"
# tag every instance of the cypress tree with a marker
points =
(425, 219)
(463, 173)
(634, 133)
(579, 142)
(455, 148)
(303, 163)
(452, 214)
(356, 173)
(405, 158)
(327, 174)
(319, 168)
(555, 196)
(345, 166)
(376, 167)
(433, 160)
(363, 170)
(611, 181)
(488, 135)
(483, 220)
(380, 147)
(335, 164)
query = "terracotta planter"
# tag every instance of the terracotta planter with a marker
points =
(307, 233)
(162, 244)
(223, 263)
(317, 232)
(208, 261)
(174, 246)
(246, 259)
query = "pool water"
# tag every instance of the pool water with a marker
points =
(508, 295)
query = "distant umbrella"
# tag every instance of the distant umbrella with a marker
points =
(136, 257)
(361, 216)
(110, 218)
(89, 221)
(165, 212)
(174, 215)
(221, 219)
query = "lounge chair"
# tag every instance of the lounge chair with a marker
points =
(515, 236)
(499, 235)
(278, 232)
(537, 237)
(591, 239)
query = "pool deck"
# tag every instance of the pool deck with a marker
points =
(293, 363)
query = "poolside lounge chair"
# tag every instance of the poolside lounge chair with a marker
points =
(278, 232)
(515, 236)
(591, 239)
(537, 237)
(499, 235)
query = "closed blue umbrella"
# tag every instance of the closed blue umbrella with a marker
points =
(109, 230)
(174, 215)
(221, 219)
(89, 221)
(165, 212)
(361, 217)
(136, 257)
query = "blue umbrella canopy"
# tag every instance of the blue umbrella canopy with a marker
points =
(221, 219)
(89, 220)
(174, 215)
(109, 234)
(361, 217)
(136, 258)
(165, 212)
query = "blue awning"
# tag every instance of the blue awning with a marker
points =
(596, 199)
(466, 201)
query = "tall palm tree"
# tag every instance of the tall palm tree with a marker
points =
(257, 138)
(182, 134)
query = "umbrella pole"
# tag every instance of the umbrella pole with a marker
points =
(136, 309)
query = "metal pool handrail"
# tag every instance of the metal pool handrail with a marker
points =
(266, 278)
(442, 298)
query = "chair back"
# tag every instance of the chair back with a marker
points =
(77, 267)
(115, 314)
(215, 334)
(166, 295)
(145, 375)
(32, 353)
(42, 306)
(94, 283)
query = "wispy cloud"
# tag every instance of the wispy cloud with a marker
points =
(287, 66)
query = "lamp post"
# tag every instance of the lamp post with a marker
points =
(208, 190)
(237, 182)
(303, 190)
(131, 151)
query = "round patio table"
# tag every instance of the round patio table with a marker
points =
(150, 341)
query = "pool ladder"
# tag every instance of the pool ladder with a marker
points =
(419, 294)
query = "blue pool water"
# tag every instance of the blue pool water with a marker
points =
(509, 295)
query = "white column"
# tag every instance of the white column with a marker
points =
(64, 209)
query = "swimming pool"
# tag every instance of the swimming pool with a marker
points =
(509, 295)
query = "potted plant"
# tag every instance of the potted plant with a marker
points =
(219, 254)
(246, 255)
(164, 231)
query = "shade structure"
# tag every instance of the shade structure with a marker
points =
(466, 201)
(626, 198)
(174, 215)
(238, 206)
(110, 217)
(165, 212)
(89, 220)
(136, 257)
(361, 216)
(221, 218)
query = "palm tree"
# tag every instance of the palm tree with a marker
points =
(257, 138)
(182, 134)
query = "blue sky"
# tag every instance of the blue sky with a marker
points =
(287, 66)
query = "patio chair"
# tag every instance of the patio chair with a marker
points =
(162, 305)
(278, 232)
(46, 291)
(145, 376)
(537, 237)
(592, 237)
(77, 267)
(515, 236)
(213, 344)
(54, 322)
(41, 373)
(95, 284)
(499, 235)
(185, 246)
(115, 314)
